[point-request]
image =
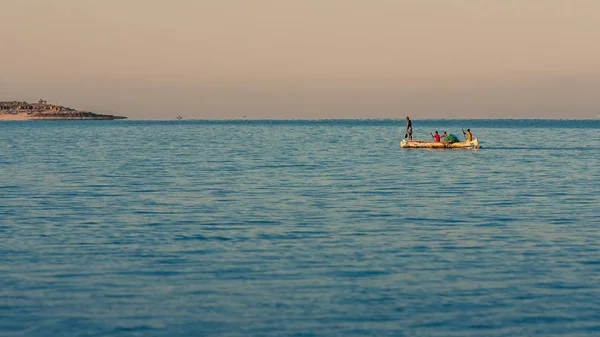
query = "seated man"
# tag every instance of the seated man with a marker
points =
(435, 136)
(468, 135)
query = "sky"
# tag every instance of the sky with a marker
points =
(305, 59)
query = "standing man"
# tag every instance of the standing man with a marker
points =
(408, 135)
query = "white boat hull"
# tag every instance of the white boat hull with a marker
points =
(421, 144)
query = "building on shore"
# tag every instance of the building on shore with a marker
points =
(16, 110)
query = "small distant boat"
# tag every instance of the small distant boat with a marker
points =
(422, 144)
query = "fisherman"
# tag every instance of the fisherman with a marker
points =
(408, 134)
(468, 135)
(435, 136)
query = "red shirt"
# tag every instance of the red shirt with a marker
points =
(436, 137)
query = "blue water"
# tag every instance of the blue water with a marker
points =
(298, 228)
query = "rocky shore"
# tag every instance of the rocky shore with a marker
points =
(15, 110)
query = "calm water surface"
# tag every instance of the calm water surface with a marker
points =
(297, 228)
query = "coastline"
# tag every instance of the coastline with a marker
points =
(23, 111)
(56, 115)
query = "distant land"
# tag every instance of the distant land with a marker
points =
(16, 110)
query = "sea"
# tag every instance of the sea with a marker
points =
(298, 228)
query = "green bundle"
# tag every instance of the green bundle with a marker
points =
(449, 139)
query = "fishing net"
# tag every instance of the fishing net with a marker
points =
(449, 139)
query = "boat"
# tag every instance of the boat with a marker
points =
(422, 144)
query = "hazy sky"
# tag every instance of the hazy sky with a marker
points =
(157, 59)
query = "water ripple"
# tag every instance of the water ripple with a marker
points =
(298, 228)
